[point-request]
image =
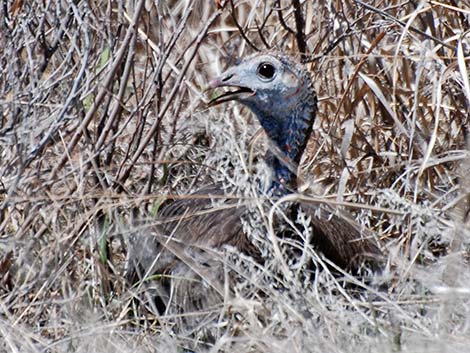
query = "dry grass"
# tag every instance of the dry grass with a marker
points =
(101, 118)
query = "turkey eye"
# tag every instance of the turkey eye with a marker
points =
(266, 71)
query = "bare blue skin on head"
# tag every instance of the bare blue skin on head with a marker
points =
(279, 92)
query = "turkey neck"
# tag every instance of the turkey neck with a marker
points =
(289, 135)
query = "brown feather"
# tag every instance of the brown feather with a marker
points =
(342, 241)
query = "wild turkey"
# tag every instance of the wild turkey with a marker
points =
(279, 91)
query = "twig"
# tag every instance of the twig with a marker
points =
(403, 24)
(260, 29)
(240, 29)
(103, 91)
(70, 99)
(281, 17)
(122, 177)
(300, 27)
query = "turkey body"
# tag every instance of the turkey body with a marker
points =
(279, 91)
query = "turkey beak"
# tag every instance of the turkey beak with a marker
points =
(228, 79)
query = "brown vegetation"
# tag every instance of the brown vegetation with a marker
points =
(102, 114)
